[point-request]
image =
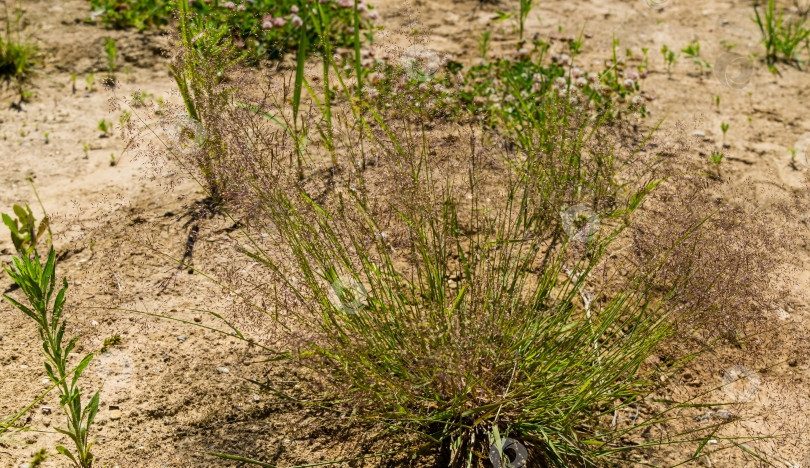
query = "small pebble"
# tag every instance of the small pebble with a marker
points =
(46, 410)
(723, 414)
(223, 370)
(181, 338)
(198, 319)
(115, 415)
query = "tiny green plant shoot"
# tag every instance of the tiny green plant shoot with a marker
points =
(111, 52)
(38, 283)
(105, 127)
(670, 58)
(724, 128)
(716, 158)
(91, 82)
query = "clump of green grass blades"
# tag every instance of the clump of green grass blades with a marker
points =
(18, 55)
(45, 307)
(782, 37)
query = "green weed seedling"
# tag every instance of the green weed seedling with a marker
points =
(111, 51)
(91, 83)
(692, 51)
(37, 281)
(86, 149)
(24, 230)
(105, 127)
(724, 128)
(113, 161)
(670, 58)
(716, 158)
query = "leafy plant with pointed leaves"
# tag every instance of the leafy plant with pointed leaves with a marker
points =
(38, 283)
(24, 231)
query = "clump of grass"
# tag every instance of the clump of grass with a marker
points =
(19, 55)
(439, 284)
(782, 36)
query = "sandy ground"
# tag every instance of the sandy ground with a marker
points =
(179, 389)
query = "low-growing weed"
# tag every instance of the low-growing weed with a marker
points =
(670, 57)
(105, 127)
(111, 51)
(38, 283)
(781, 35)
(692, 51)
(19, 55)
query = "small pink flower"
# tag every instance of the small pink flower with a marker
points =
(294, 9)
(629, 83)
(279, 22)
(631, 75)
(296, 21)
(372, 15)
(361, 8)
(229, 5)
(267, 25)
(581, 82)
(576, 72)
(240, 8)
(346, 3)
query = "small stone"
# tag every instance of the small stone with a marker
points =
(723, 414)
(1, 337)
(46, 410)
(793, 362)
(256, 398)
(181, 338)
(223, 370)
(94, 323)
(699, 134)
(115, 415)
(197, 318)
(713, 442)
